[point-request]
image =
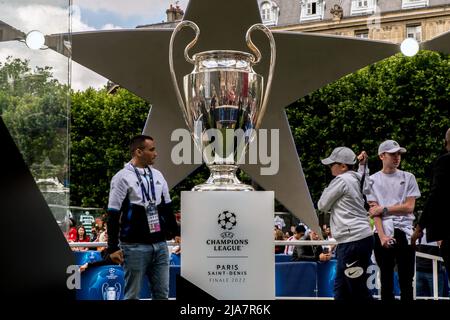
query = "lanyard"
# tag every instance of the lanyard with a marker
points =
(145, 193)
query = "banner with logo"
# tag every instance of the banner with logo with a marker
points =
(102, 283)
(227, 243)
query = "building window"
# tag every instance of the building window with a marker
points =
(269, 13)
(414, 32)
(266, 9)
(312, 10)
(361, 7)
(363, 34)
(410, 4)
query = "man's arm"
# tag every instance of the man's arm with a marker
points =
(384, 239)
(363, 169)
(320, 255)
(403, 209)
(331, 193)
(113, 223)
(117, 194)
(378, 222)
(417, 234)
(407, 207)
(167, 215)
(440, 185)
(302, 253)
(165, 192)
(166, 212)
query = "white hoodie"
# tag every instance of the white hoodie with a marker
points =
(349, 220)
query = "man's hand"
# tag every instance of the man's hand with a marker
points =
(386, 241)
(117, 257)
(83, 267)
(375, 211)
(325, 257)
(362, 158)
(417, 234)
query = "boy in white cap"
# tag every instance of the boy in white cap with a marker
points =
(392, 198)
(349, 225)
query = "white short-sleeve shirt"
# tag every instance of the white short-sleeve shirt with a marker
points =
(392, 189)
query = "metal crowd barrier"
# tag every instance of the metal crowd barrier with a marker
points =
(103, 244)
(434, 259)
(173, 243)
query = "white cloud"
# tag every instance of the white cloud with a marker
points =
(82, 78)
(39, 58)
(110, 26)
(55, 3)
(52, 16)
(48, 20)
(45, 18)
(77, 24)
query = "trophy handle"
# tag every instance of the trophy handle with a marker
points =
(251, 45)
(180, 26)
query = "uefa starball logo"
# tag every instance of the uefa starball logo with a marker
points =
(227, 220)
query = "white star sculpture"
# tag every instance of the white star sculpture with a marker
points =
(137, 60)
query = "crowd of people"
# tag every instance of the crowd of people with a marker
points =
(78, 233)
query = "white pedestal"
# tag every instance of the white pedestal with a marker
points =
(227, 243)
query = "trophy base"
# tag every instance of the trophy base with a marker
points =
(223, 178)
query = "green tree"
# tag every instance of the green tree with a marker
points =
(34, 106)
(400, 98)
(101, 127)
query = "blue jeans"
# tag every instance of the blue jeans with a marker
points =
(424, 284)
(353, 259)
(149, 259)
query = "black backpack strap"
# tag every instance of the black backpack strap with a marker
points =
(361, 188)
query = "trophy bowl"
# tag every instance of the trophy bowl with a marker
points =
(224, 106)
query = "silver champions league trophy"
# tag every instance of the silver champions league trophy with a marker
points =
(224, 105)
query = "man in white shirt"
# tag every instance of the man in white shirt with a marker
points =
(392, 198)
(140, 219)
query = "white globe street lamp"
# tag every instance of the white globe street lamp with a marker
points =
(35, 40)
(409, 47)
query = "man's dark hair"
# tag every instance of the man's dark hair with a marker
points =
(350, 166)
(137, 142)
(300, 229)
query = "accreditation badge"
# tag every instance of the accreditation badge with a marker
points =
(153, 217)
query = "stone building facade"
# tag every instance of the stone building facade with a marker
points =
(389, 20)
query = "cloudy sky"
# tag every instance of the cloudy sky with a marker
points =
(52, 16)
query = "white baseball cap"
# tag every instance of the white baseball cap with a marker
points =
(341, 155)
(390, 146)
